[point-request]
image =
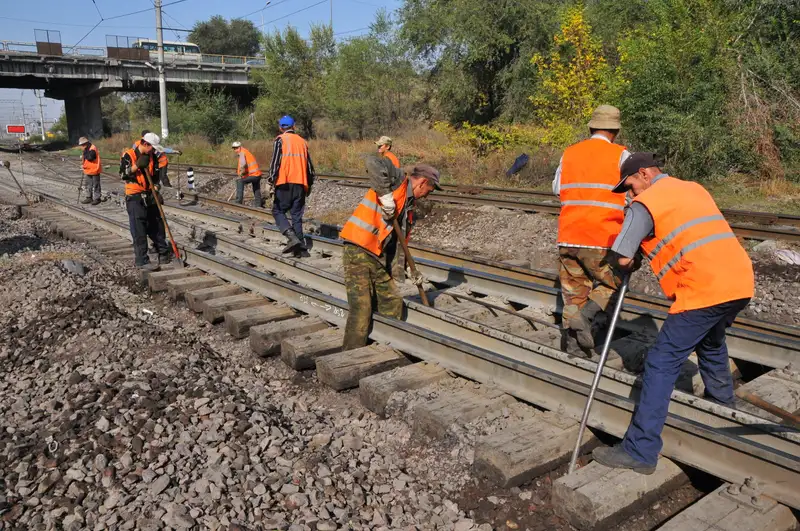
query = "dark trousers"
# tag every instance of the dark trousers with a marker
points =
(290, 198)
(702, 331)
(241, 183)
(145, 221)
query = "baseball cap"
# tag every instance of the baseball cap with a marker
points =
(427, 171)
(153, 140)
(286, 121)
(632, 164)
(384, 141)
(236, 144)
(83, 140)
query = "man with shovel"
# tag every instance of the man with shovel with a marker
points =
(143, 213)
(707, 274)
(370, 243)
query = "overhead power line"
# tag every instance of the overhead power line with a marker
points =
(295, 12)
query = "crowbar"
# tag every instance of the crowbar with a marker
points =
(7, 165)
(411, 264)
(598, 372)
(163, 217)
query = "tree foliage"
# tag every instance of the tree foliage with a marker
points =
(218, 36)
(116, 116)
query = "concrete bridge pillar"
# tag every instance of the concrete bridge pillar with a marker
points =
(84, 118)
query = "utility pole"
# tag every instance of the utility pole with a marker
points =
(41, 113)
(331, 15)
(162, 82)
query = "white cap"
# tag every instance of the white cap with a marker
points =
(153, 140)
(236, 144)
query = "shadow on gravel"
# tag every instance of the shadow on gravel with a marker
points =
(15, 244)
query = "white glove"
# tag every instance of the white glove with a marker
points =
(416, 278)
(387, 205)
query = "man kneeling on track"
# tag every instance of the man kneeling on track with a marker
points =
(370, 243)
(703, 268)
(143, 214)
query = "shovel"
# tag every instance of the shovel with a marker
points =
(599, 372)
(163, 217)
(411, 264)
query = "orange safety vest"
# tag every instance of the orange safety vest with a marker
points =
(591, 214)
(162, 160)
(294, 160)
(391, 156)
(248, 165)
(366, 226)
(141, 184)
(694, 254)
(92, 167)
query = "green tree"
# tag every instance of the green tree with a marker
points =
(293, 79)
(59, 127)
(218, 36)
(202, 110)
(116, 117)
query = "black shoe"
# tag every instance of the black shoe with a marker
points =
(86, 200)
(149, 266)
(617, 457)
(164, 259)
(96, 202)
(293, 243)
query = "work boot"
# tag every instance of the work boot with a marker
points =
(86, 200)
(96, 202)
(582, 324)
(164, 259)
(293, 243)
(149, 266)
(617, 457)
(570, 345)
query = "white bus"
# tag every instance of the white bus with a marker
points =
(173, 51)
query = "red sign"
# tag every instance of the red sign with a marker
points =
(15, 129)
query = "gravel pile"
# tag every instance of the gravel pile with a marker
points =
(118, 411)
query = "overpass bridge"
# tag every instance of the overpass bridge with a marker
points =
(84, 75)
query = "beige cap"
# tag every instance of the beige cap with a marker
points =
(605, 117)
(236, 144)
(82, 140)
(384, 141)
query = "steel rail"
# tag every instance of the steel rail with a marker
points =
(749, 339)
(729, 444)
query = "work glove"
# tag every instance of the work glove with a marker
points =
(637, 262)
(388, 206)
(415, 277)
(143, 162)
(127, 174)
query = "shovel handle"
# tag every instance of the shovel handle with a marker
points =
(787, 416)
(411, 264)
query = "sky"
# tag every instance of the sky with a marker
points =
(76, 21)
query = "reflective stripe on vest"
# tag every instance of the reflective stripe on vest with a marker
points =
(141, 184)
(248, 164)
(294, 161)
(91, 167)
(591, 214)
(366, 226)
(694, 254)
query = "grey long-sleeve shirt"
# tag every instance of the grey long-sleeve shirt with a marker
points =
(637, 226)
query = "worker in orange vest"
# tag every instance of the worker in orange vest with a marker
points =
(162, 167)
(143, 214)
(704, 270)
(90, 160)
(591, 216)
(291, 175)
(384, 144)
(370, 243)
(249, 173)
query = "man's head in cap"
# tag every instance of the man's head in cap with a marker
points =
(424, 179)
(82, 141)
(286, 123)
(384, 144)
(150, 142)
(605, 121)
(637, 173)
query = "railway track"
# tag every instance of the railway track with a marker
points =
(515, 354)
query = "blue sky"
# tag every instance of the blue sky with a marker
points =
(76, 18)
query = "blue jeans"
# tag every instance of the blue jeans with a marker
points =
(289, 198)
(701, 330)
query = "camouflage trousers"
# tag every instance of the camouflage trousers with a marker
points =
(366, 279)
(585, 275)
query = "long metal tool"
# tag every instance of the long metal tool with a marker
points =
(7, 165)
(599, 372)
(411, 264)
(787, 416)
(163, 217)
